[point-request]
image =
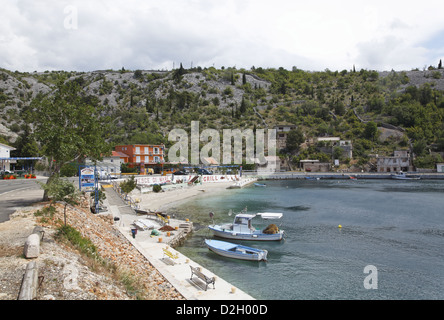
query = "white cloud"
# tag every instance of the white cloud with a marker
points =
(155, 34)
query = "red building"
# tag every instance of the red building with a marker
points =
(142, 155)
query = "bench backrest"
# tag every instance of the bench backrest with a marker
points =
(200, 274)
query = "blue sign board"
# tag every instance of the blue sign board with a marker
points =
(87, 179)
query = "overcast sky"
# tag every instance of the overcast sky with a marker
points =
(81, 35)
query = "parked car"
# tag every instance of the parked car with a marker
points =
(180, 173)
(204, 171)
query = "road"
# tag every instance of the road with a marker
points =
(18, 193)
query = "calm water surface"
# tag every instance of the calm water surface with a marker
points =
(395, 226)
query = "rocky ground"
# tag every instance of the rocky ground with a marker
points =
(65, 273)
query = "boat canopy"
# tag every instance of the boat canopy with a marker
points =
(222, 244)
(270, 215)
(245, 216)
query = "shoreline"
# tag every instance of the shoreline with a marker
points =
(288, 175)
(165, 201)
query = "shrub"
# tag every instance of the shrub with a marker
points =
(157, 188)
(128, 185)
(77, 240)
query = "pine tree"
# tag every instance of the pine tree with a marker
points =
(243, 106)
(440, 64)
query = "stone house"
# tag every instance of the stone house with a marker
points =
(315, 166)
(401, 161)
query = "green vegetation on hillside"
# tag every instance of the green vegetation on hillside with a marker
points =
(379, 111)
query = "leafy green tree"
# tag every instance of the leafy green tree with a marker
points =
(128, 185)
(124, 168)
(371, 130)
(69, 170)
(69, 126)
(419, 147)
(294, 138)
(138, 74)
(26, 146)
(337, 152)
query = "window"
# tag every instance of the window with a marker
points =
(156, 159)
(156, 150)
(146, 150)
(137, 150)
(138, 159)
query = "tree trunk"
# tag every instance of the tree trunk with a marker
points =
(45, 193)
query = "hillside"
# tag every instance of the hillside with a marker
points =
(407, 107)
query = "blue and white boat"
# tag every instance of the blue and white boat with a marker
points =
(242, 229)
(257, 184)
(402, 176)
(236, 251)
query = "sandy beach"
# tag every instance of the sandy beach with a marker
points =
(162, 201)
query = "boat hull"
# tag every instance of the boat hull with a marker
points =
(396, 177)
(238, 252)
(255, 236)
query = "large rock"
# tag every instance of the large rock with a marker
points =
(32, 246)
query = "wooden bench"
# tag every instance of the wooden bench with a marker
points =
(201, 276)
(169, 254)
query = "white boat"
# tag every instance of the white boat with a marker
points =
(236, 251)
(242, 229)
(257, 184)
(402, 176)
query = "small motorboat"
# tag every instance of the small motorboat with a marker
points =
(242, 228)
(236, 251)
(402, 176)
(257, 184)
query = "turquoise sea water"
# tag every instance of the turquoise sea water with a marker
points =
(395, 226)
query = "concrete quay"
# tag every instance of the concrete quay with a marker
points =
(176, 270)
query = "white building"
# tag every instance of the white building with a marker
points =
(110, 165)
(440, 167)
(5, 153)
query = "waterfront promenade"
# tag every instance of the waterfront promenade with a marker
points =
(176, 271)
